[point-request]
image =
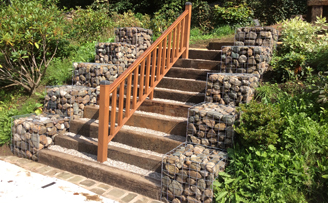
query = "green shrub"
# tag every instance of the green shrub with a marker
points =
(232, 14)
(30, 37)
(259, 124)
(201, 16)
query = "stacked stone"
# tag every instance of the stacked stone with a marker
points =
(231, 88)
(188, 173)
(69, 100)
(31, 133)
(245, 59)
(90, 74)
(256, 36)
(211, 124)
(140, 37)
(120, 54)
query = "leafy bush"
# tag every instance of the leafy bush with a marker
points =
(201, 16)
(30, 37)
(232, 14)
(129, 19)
(259, 124)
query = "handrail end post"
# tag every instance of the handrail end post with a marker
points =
(103, 121)
(188, 7)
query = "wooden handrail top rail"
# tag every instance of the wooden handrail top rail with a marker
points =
(137, 62)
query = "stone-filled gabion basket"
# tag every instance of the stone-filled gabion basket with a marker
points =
(69, 100)
(90, 74)
(245, 59)
(256, 36)
(120, 54)
(230, 88)
(211, 124)
(31, 133)
(188, 172)
(140, 37)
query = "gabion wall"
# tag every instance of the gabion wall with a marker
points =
(69, 100)
(188, 172)
(31, 133)
(245, 59)
(211, 124)
(90, 74)
(140, 37)
(230, 88)
(120, 54)
(256, 36)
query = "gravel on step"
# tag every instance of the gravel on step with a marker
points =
(109, 162)
(116, 144)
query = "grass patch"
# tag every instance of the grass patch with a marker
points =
(197, 35)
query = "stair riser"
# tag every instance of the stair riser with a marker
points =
(188, 73)
(144, 121)
(132, 138)
(219, 45)
(198, 64)
(184, 85)
(205, 54)
(164, 108)
(100, 172)
(179, 96)
(149, 162)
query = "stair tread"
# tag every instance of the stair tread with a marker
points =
(186, 79)
(173, 102)
(179, 91)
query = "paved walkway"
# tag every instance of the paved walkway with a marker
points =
(102, 189)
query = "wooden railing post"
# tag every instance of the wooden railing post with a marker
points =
(103, 121)
(186, 37)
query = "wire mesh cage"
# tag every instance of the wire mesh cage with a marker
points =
(211, 124)
(90, 74)
(120, 54)
(31, 133)
(245, 59)
(256, 36)
(69, 100)
(230, 88)
(138, 36)
(188, 172)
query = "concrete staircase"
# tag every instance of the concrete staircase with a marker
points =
(157, 127)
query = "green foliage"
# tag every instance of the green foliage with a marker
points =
(268, 93)
(322, 88)
(196, 34)
(259, 124)
(201, 16)
(30, 36)
(232, 14)
(129, 19)
(272, 11)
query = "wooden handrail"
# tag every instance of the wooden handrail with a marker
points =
(145, 74)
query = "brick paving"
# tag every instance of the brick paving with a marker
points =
(102, 189)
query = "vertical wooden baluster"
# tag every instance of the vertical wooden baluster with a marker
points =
(103, 121)
(185, 54)
(121, 103)
(147, 74)
(168, 59)
(173, 45)
(113, 114)
(141, 84)
(178, 40)
(135, 88)
(128, 96)
(164, 55)
(159, 61)
(182, 35)
(152, 77)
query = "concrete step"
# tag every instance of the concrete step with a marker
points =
(205, 54)
(111, 175)
(170, 108)
(190, 73)
(183, 84)
(141, 158)
(198, 64)
(132, 136)
(219, 45)
(177, 95)
(153, 121)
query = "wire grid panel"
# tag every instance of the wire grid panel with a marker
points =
(230, 88)
(32, 133)
(256, 36)
(188, 172)
(245, 59)
(211, 124)
(120, 54)
(138, 36)
(69, 100)
(90, 74)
